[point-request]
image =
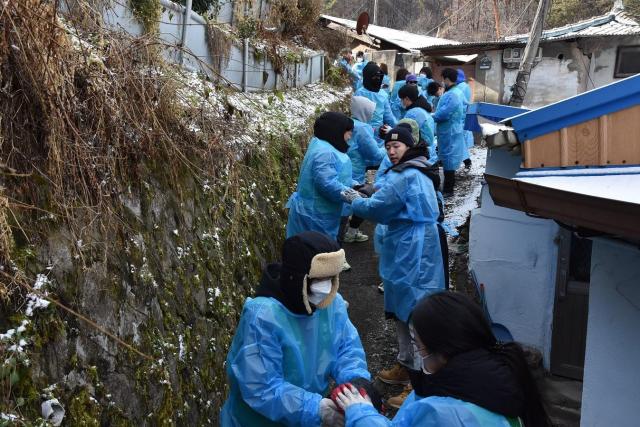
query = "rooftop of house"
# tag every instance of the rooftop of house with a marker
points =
(404, 40)
(617, 22)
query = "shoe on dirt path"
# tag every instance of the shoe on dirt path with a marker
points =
(398, 374)
(397, 401)
(381, 287)
(346, 266)
(355, 236)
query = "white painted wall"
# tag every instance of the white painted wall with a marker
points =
(515, 257)
(603, 58)
(611, 388)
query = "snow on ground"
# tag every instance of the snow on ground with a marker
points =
(467, 191)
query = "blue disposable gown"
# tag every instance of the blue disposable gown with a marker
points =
(449, 119)
(386, 80)
(427, 127)
(466, 91)
(423, 83)
(381, 177)
(357, 68)
(353, 76)
(363, 150)
(410, 258)
(396, 105)
(434, 411)
(316, 205)
(280, 363)
(382, 114)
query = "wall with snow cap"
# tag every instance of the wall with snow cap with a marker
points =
(515, 256)
(611, 388)
(259, 71)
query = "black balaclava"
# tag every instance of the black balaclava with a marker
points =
(297, 253)
(372, 77)
(331, 127)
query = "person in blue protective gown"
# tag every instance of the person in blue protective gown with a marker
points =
(359, 66)
(418, 109)
(363, 152)
(325, 172)
(410, 264)
(382, 119)
(434, 92)
(424, 78)
(396, 104)
(292, 339)
(386, 80)
(345, 64)
(449, 118)
(467, 377)
(466, 91)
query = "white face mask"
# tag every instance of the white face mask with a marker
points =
(424, 365)
(319, 291)
(423, 75)
(360, 59)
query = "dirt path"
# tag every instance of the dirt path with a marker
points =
(359, 286)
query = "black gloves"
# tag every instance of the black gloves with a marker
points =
(366, 190)
(375, 397)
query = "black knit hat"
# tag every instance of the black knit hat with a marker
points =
(400, 134)
(331, 126)
(372, 77)
(409, 91)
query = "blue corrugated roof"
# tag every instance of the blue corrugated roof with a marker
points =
(493, 112)
(578, 109)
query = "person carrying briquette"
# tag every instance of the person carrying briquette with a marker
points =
(449, 118)
(434, 92)
(396, 104)
(418, 109)
(325, 172)
(382, 119)
(424, 78)
(293, 339)
(468, 135)
(467, 377)
(363, 152)
(410, 265)
(345, 65)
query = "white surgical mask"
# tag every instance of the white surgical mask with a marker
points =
(319, 291)
(360, 59)
(423, 75)
(424, 365)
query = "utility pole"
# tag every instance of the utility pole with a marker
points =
(375, 12)
(496, 16)
(519, 88)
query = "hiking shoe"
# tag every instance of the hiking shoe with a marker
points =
(356, 236)
(397, 401)
(381, 287)
(346, 266)
(396, 375)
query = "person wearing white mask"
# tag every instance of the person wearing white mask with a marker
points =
(292, 339)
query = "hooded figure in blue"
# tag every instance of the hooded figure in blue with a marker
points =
(371, 82)
(345, 64)
(325, 172)
(424, 78)
(359, 66)
(410, 258)
(396, 104)
(467, 377)
(418, 109)
(292, 339)
(449, 118)
(464, 87)
(363, 148)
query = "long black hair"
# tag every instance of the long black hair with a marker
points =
(450, 323)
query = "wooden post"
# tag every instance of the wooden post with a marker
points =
(519, 89)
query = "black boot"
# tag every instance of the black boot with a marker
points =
(449, 183)
(467, 163)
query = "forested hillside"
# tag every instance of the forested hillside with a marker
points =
(468, 20)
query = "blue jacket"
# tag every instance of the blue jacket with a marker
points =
(396, 105)
(449, 118)
(382, 114)
(316, 205)
(432, 411)
(427, 128)
(279, 364)
(363, 150)
(353, 76)
(411, 263)
(466, 91)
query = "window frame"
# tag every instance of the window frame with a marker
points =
(616, 73)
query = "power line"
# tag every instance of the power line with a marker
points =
(515, 23)
(452, 15)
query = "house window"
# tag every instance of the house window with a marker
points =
(627, 61)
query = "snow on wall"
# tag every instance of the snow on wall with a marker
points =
(515, 257)
(611, 388)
